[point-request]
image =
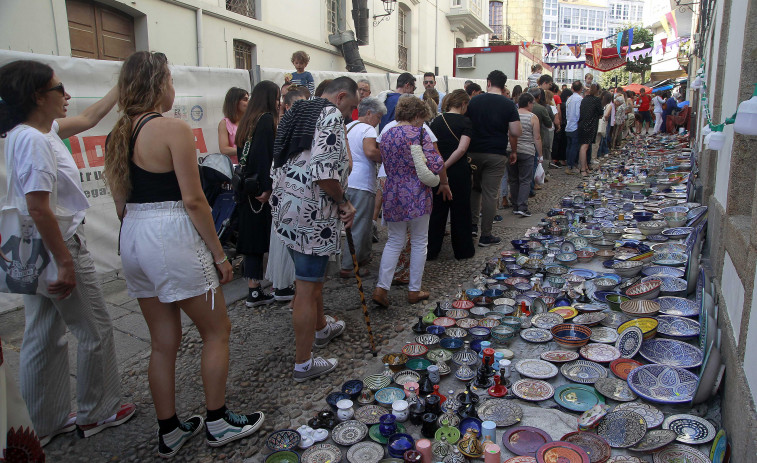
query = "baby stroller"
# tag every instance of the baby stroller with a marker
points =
(216, 171)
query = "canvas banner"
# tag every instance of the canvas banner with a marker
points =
(199, 99)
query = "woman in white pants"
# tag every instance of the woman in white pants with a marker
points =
(407, 201)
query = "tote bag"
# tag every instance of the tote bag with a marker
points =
(26, 265)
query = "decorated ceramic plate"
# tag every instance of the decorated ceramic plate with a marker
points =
(625, 459)
(370, 414)
(349, 432)
(577, 397)
(465, 305)
(622, 429)
(521, 459)
(559, 356)
(629, 342)
(663, 383)
(719, 447)
(589, 318)
(622, 366)
(614, 389)
(595, 446)
(456, 332)
(654, 440)
(365, 452)
(659, 270)
(652, 416)
(647, 325)
(615, 319)
(533, 390)
(603, 334)
(583, 371)
(671, 352)
(690, 429)
(466, 323)
(444, 321)
(546, 320)
(285, 439)
(600, 353)
(525, 440)
(678, 232)
(536, 335)
(503, 412)
(561, 452)
(583, 272)
(566, 312)
(677, 453)
(322, 453)
(538, 369)
(677, 327)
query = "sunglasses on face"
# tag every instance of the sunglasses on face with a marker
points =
(429, 82)
(58, 87)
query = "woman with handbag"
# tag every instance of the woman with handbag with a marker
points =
(410, 160)
(172, 258)
(255, 136)
(453, 129)
(45, 193)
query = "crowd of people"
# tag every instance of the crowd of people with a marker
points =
(316, 163)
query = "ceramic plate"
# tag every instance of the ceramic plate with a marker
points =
(677, 453)
(622, 429)
(719, 446)
(538, 369)
(600, 353)
(546, 320)
(654, 440)
(503, 412)
(349, 432)
(595, 446)
(525, 440)
(659, 270)
(625, 459)
(286, 439)
(365, 452)
(577, 397)
(566, 312)
(622, 366)
(522, 459)
(629, 342)
(561, 451)
(583, 371)
(690, 429)
(536, 335)
(533, 390)
(590, 318)
(559, 356)
(671, 352)
(370, 414)
(614, 389)
(652, 416)
(603, 334)
(663, 383)
(677, 327)
(321, 453)
(582, 272)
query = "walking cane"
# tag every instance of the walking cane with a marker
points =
(351, 245)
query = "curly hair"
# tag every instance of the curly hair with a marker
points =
(302, 56)
(410, 108)
(141, 85)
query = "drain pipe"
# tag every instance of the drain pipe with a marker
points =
(198, 18)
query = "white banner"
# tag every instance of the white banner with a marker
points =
(199, 99)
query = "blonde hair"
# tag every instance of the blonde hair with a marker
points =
(431, 97)
(141, 84)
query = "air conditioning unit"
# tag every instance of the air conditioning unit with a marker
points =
(466, 61)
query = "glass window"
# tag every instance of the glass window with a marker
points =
(495, 18)
(243, 7)
(402, 38)
(332, 20)
(242, 55)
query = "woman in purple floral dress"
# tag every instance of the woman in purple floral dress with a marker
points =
(407, 201)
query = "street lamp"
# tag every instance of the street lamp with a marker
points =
(389, 6)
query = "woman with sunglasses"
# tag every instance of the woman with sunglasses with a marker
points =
(33, 117)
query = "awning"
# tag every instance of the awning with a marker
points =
(662, 89)
(668, 74)
(636, 88)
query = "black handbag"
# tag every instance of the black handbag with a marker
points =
(245, 185)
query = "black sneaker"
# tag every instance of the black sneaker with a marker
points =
(170, 443)
(284, 294)
(525, 213)
(498, 218)
(517, 212)
(232, 427)
(485, 241)
(258, 297)
(475, 230)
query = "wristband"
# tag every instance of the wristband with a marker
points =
(225, 259)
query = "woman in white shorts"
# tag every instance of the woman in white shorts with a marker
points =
(171, 255)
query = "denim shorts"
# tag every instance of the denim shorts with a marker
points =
(309, 267)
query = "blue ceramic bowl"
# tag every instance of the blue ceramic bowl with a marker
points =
(479, 333)
(353, 387)
(500, 276)
(642, 216)
(492, 293)
(335, 397)
(571, 335)
(518, 244)
(521, 272)
(476, 345)
(451, 343)
(469, 423)
(435, 329)
(398, 444)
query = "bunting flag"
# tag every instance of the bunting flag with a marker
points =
(671, 17)
(526, 45)
(664, 24)
(619, 41)
(638, 54)
(576, 49)
(568, 65)
(663, 42)
(596, 47)
(630, 38)
(550, 48)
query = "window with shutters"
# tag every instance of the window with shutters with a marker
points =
(332, 16)
(403, 37)
(242, 55)
(243, 7)
(99, 32)
(495, 20)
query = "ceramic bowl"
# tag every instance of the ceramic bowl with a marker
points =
(642, 216)
(671, 209)
(479, 333)
(283, 456)
(556, 282)
(452, 344)
(395, 360)
(615, 300)
(353, 388)
(512, 322)
(503, 333)
(645, 290)
(603, 244)
(418, 364)
(648, 326)
(335, 397)
(551, 291)
(570, 335)
(604, 284)
(435, 329)
(584, 256)
(456, 332)
(612, 233)
(605, 253)
(640, 308)
(518, 244)
(493, 292)
(652, 227)
(590, 234)
(628, 268)
(675, 219)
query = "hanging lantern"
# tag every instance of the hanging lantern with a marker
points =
(746, 116)
(697, 83)
(717, 139)
(706, 130)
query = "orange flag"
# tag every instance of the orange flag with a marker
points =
(596, 48)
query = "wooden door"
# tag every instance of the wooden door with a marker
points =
(99, 32)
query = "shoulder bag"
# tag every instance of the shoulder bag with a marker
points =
(243, 184)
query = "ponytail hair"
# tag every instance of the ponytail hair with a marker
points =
(19, 83)
(141, 84)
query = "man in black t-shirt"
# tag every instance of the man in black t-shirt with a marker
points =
(495, 119)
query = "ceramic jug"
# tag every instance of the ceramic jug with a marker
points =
(344, 410)
(400, 410)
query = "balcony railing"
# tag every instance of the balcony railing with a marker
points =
(468, 16)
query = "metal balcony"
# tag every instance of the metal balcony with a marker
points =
(469, 17)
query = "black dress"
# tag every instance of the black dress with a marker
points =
(255, 227)
(588, 120)
(460, 183)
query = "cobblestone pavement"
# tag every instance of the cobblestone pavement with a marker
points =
(262, 356)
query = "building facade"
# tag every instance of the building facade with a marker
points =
(621, 13)
(416, 36)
